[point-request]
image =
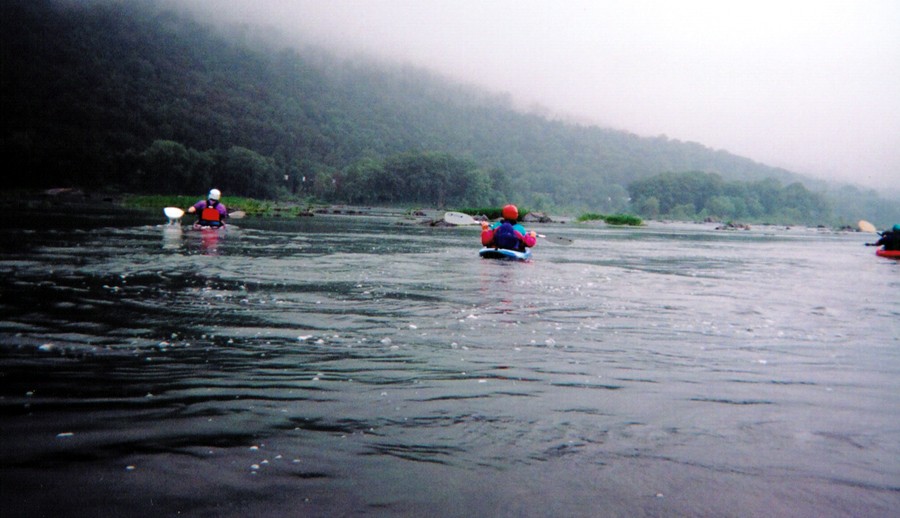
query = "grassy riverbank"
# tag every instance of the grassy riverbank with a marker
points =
(612, 219)
(280, 208)
(251, 206)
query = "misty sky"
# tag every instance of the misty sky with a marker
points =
(812, 86)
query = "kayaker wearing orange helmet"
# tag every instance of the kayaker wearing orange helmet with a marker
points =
(507, 233)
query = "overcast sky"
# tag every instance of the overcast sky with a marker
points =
(812, 86)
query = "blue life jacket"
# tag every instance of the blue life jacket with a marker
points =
(505, 237)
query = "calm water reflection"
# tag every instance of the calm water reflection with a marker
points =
(362, 366)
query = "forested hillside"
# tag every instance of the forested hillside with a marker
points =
(129, 96)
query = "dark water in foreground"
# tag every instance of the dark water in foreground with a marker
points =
(346, 366)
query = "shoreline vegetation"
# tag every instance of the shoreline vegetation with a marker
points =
(297, 125)
(290, 209)
(296, 208)
(430, 216)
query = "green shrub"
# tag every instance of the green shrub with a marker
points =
(615, 219)
(160, 201)
(251, 206)
(489, 212)
(624, 219)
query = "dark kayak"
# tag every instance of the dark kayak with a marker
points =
(208, 228)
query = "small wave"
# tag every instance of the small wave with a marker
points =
(734, 401)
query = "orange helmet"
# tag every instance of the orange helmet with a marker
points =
(510, 212)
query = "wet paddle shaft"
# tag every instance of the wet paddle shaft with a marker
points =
(175, 214)
(459, 218)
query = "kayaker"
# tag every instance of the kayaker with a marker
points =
(890, 239)
(211, 211)
(507, 233)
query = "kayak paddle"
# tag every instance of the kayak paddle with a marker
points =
(865, 226)
(173, 213)
(459, 218)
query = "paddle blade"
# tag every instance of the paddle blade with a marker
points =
(559, 240)
(173, 212)
(238, 214)
(865, 226)
(458, 218)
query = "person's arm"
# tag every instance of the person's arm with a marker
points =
(530, 239)
(487, 234)
(527, 238)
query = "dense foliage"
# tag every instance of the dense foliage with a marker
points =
(698, 195)
(417, 178)
(611, 219)
(129, 95)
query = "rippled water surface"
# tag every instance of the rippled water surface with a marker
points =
(345, 366)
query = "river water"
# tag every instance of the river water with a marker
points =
(348, 366)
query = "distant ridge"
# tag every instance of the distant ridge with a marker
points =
(87, 86)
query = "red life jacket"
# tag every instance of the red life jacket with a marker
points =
(210, 214)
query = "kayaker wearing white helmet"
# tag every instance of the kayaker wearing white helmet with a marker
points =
(212, 211)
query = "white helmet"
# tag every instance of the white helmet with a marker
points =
(214, 194)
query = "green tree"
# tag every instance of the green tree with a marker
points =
(721, 207)
(500, 187)
(684, 212)
(169, 167)
(428, 177)
(479, 192)
(648, 207)
(242, 170)
(324, 185)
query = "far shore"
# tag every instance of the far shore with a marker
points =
(432, 216)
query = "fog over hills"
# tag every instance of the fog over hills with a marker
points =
(90, 88)
(808, 86)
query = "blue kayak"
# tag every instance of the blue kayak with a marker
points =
(502, 253)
